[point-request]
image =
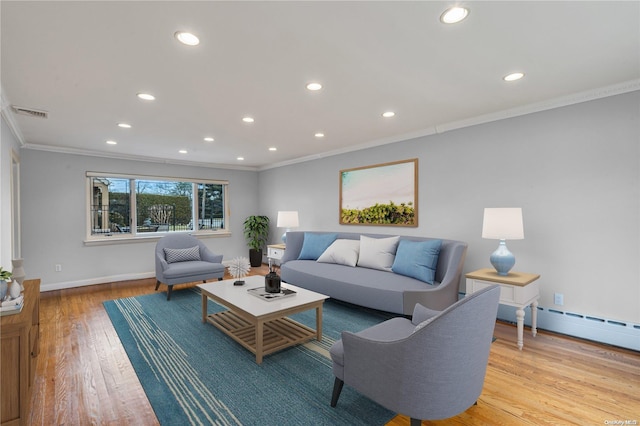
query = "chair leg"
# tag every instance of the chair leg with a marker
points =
(157, 284)
(169, 289)
(337, 388)
(415, 422)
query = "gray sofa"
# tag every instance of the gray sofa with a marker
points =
(374, 288)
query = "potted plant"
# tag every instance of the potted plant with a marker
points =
(256, 232)
(4, 276)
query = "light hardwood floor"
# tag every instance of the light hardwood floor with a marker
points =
(85, 378)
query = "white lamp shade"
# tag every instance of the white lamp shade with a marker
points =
(503, 224)
(287, 219)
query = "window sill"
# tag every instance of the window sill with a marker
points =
(119, 239)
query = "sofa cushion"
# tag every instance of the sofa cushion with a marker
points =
(343, 252)
(182, 255)
(377, 253)
(417, 259)
(315, 244)
(196, 268)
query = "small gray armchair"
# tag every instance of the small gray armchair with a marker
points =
(182, 258)
(428, 368)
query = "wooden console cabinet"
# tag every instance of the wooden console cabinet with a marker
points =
(19, 348)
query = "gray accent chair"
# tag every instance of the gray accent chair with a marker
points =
(208, 267)
(431, 367)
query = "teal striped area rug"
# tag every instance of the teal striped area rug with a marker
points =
(194, 374)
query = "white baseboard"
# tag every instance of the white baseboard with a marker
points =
(602, 330)
(94, 281)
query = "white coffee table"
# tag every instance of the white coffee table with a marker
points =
(261, 326)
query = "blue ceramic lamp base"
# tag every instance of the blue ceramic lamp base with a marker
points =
(502, 259)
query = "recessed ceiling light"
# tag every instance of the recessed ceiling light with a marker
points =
(146, 96)
(388, 114)
(187, 38)
(124, 125)
(513, 76)
(208, 139)
(112, 143)
(183, 151)
(454, 15)
(273, 148)
(314, 86)
(240, 158)
(248, 119)
(319, 135)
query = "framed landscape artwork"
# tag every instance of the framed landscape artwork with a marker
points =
(382, 194)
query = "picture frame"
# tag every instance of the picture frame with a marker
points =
(380, 195)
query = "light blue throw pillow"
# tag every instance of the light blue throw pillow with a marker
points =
(417, 259)
(314, 245)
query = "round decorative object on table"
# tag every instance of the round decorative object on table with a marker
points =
(3, 289)
(18, 273)
(14, 289)
(238, 268)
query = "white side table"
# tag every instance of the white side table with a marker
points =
(275, 251)
(517, 289)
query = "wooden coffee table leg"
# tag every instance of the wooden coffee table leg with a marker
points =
(319, 323)
(204, 307)
(259, 335)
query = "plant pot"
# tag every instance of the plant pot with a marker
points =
(255, 258)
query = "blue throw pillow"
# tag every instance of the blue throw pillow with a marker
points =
(417, 259)
(314, 245)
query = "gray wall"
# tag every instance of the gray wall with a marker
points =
(54, 218)
(574, 171)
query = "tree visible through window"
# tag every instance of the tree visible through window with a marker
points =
(130, 205)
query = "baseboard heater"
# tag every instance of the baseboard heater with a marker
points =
(602, 330)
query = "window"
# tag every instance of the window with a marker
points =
(134, 206)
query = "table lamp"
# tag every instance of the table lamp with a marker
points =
(503, 224)
(287, 219)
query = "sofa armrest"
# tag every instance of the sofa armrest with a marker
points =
(422, 313)
(160, 260)
(293, 246)
(209, 256)
(444, 294)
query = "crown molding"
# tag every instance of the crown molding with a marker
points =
(576, 98)
(88, 153)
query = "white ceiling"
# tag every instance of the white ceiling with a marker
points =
(84, 62)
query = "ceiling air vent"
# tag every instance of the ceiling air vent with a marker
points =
(30, 112)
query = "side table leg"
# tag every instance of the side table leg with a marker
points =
(520, 321)
(534, 318)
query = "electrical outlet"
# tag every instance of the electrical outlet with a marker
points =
(58, 268)
(558, 299)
